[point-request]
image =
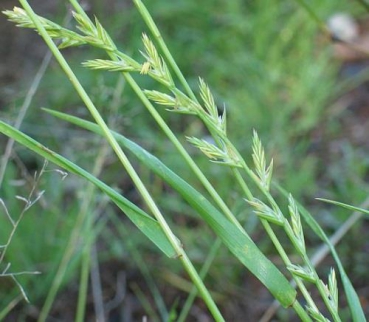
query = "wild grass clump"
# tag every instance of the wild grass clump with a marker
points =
(253, 181)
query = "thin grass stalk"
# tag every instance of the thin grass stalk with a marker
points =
(281, 250)
(25, 106)
(142, 266)
(271, 232)
(86, 257)
(143, 300)
(29, 202)
(86, 208)
(83, 283)
(203, 272)
(23, 111)
(67, 256)
(10, 307)
(127, 165)
(96, 286)
(145, 14)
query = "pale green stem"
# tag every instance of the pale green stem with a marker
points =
(68, 253)
(142, 266)
(280, 248)
(83, 284)
(169, 58)
(270, 231)
(86, 251)
(125, 162)
(86, 208)
(13, 303)
(167, 54)
(70, 248)
(204, 270)
(301, 312)
(281, 251)
(300, 284)
(242, 184)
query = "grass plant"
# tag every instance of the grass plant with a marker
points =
(254, 183)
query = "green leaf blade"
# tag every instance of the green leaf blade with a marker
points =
(148, 225)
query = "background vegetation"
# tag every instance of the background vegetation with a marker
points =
(274, 70)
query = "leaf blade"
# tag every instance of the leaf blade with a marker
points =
(148, 225)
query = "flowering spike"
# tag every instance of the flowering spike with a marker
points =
(208, 99)
(265, 212)
(264, 174)
(302, 272)
(158, 68)
(333, 289)
(296, 224)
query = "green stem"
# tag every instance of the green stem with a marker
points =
(284, 256)
(204, 270)
(242, 184)
(83, 285)
(269, 230)
(86, 209)
(167, 54)
(287, 262)
(142, 266)
(301, 312)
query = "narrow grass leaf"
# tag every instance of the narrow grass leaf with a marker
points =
(351, 295)
(148, 225)
(238, 242)
(353, 208)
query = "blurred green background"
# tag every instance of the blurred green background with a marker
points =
(273, 69)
